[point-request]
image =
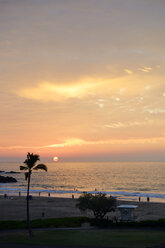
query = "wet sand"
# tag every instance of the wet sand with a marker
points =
(14, 208)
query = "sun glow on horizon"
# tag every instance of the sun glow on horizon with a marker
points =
(55, 159)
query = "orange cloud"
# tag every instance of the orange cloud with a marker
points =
(128, 85)
(80, 142)
(48, 91)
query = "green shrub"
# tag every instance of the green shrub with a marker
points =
(145, 223)
(77, 222)
(38, 223)
(98, 203)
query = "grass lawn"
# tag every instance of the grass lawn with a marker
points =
(122, 238)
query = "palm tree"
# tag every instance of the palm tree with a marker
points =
(30, 162)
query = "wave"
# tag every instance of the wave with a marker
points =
(113, 193)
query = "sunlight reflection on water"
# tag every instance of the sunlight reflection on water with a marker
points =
(127, 177)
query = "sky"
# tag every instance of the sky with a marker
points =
(82, 80)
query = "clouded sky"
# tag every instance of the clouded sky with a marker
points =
(82, 80)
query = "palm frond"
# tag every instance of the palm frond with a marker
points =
(31, 160)
(23, 167)
(40, 167)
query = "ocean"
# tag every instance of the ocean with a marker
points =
(125, 180)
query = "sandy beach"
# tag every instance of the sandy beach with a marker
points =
(14, 208)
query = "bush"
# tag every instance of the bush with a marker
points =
(99, 204)
(38, 223)
(78, 221)
(141, 224)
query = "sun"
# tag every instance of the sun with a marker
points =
(55, 159)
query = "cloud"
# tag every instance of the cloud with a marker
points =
(128, 85)
(47, 91)
(155, 111)
(129, 124)
(148, 87)
(145, 69)
(69, 142)
(128, 71)
(73, 142)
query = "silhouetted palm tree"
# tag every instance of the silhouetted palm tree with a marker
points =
(31, 165)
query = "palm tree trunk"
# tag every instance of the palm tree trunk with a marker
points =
(28, 210)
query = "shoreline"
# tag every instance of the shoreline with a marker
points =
(121, 195)
(14, 208)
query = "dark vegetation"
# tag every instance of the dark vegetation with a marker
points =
(134, 224)
(99, 204)
(78, 221)
(39, 223)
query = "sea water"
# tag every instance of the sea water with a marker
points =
(125, 180)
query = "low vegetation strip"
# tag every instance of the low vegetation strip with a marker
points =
(39, 223)
(98, 238)
(77, 222)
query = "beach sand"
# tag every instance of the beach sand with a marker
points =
(14, 208)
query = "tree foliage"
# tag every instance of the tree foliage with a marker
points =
(99, 204)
